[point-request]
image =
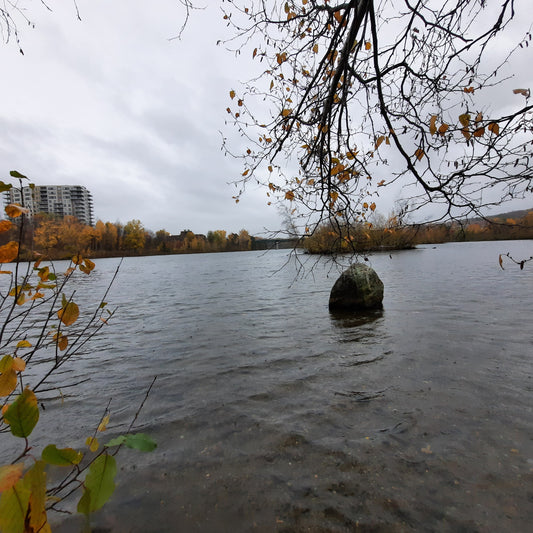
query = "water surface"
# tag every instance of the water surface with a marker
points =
(271, 414)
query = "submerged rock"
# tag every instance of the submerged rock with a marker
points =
(357, 288)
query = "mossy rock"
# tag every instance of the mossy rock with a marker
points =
(358, 288)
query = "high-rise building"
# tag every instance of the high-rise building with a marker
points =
(60, 200)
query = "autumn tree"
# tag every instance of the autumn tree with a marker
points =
(134, 235)
(357, 97)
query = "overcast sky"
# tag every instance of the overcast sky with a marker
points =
(113, 104)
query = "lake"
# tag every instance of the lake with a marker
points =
(271, 414)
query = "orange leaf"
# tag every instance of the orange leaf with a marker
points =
(494, 127)
(9, 475)
(69, 313)
(523, 92)
(432, 125)
(5, 225)
(9, 252)
(443, 129)
(61, 340)
(479, 132)
(286, 112)
(315, 49)
(468, 89)
(379, 141)
(373, 206)
(232, 94)
(289, 195)
(18, 364)
(419, 154)
(368, 46)
(15, 210)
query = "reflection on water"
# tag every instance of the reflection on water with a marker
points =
(355, 319)
(272, 414)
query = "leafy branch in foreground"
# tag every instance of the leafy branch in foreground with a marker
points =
(359, 97)
(41, 329)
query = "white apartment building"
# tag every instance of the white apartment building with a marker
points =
(60, 200)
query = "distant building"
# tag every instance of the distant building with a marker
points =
(59, 200)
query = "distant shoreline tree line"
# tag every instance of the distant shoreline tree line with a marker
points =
(59, 238)
(392, 234)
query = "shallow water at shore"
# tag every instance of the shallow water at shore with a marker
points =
(272, 414)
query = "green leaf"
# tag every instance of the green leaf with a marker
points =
(13, 508)
(23, 414)
(16, 174)
(139, 441)
(61, 456)
(99, 484)
(5, 186)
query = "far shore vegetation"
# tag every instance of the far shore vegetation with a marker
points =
(391, 234)
(59, 238)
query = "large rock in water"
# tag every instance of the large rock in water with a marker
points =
(358, 288)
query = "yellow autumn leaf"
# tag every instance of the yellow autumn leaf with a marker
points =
(9, 252)
(464, 119)
(23, 344)
(286, 112)
(419, 154)
(368, 45)
(87, 267)
(333, 195)
(69, 313)
(103, 424)
(232, 93)
(77, 259)
(92, 443)
(289, 195)
(8, 376)
(373, 206)
(15, 210)
(315, 49)
(381, 183)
